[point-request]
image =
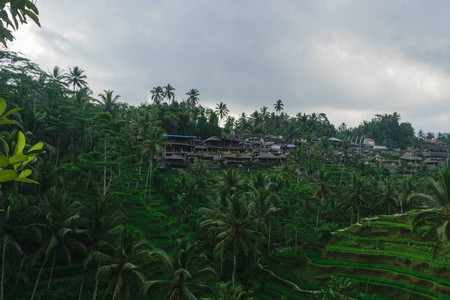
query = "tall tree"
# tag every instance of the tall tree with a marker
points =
(169, 92)
(193, 97)
(278, 106)
(108, 102)
(122, 264)
(157, 94)
(222, 110)
(185, 271)
(154, 144)
(235, 228)
(57, 76)
(76, 78)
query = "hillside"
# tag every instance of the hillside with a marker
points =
(380, 256)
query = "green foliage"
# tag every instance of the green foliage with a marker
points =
(13, 13)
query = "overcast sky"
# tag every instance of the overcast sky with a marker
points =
(350, 59)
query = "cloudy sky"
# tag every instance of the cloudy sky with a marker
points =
(350, 59)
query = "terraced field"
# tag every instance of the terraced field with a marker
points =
(381, 256)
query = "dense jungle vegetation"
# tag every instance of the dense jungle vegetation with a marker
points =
(86, 212)
(105, 221)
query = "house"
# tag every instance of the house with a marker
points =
(369, 142)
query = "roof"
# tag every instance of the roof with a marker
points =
(410, 157)
(182, 136)
(213, 138)
(174, 157)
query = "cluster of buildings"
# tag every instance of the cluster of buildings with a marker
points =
(183, 150)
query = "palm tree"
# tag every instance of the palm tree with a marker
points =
(168, 92)
(185, 271)
(235, 229)
(108, 102)
(57, 76)
(230, 181)
(76, 78)
(222, 110)
(15, 214)
(226, 291)
(278, 106)
(322, 190)
(102, 222)
(437, 194)
(157, 94)
(193, 97)
(388, 195)
(122, 264)
(357, 193)
(154, 144)
(60, 229)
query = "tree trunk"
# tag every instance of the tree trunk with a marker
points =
(268, 243)
(96, 285)
(2, 291)
(234, 267)
(317, 219)
(51, 270)
(150, 180)
(139, 172)
(146, 181)
(39, 276)
(104, 170)
(296, 235)
(81, 288)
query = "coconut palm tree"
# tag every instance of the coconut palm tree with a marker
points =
(226, 291)
(185, 271)
(157, 94)
(101, 223)
(60, 228)
(235, 229)
(15, 213)
(387, 195)
(193, 97)
(358, 191)
(122, 264)
(230, 181)
(154, 144)
(322, 191)
(437, 195)
(108, 102)
(278, 106)
(222, 110)
(168, 92)
(57, 76)
(76, 78)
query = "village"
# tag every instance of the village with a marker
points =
(274, 150)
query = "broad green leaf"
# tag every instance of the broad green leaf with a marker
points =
(28, 180)
(24, 173)
(5, 144)
(17, 159)
(2, 106)
(4, 161)
(38, 146)
(5, 122)
(11, 112)
(7, 175)
(20, 144)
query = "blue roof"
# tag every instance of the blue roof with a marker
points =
(183, 136)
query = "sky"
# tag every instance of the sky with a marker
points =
(350, 59)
